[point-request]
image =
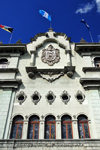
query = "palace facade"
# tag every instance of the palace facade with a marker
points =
(50, 94)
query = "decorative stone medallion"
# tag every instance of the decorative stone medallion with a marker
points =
(50, 97)
(36, 97)
(21, 97)
(80, 97)
(50, 55)
(65, 97)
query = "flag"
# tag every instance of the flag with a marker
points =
(45, 14)
(6, 28)
(83, 21)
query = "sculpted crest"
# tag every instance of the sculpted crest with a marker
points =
(50, 55)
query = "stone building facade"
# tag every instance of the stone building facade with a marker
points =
(50, 94)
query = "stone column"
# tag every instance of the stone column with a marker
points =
(75, 129)
(25, 130)
(41, 129)
(58, 129)
(32, 63)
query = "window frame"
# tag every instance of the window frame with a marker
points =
(33, 123)
(50, 123)
(16, 123)
(83, 122)
(66, 122)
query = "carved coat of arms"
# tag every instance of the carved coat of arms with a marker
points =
(50, 55)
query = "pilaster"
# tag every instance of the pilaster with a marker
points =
(25, 130)
(41, 129)
(58, 129)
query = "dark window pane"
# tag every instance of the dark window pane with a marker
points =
(69, 131)
(19, 133)
(47, 131)
(86, 130)
(63, 131)
(83, 126)
(33, 131)
(17, 126)
(66, 127)
(50, 127)
(30, 132)
(53, 131)
(66, 118)
(36, 131)
(81, 134)
(14, 131)
(34, 118)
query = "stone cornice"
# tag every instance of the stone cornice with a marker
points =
(90, 82)
(13, 48)
(84, 143)
(91, 69)
(10, 70)
(10, 83)
(87, 48)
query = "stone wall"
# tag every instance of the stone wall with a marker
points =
(50, 144)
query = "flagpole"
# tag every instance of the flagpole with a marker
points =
(50, 25)
(10, 38)
(90, 35)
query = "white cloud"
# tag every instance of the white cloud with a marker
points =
(87, 8)
(98, 5)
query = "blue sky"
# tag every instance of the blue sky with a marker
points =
(66, 15)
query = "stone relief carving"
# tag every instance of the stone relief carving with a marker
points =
(21, 97)
(50, 55)
(50, 97)
(65, 97)
(36, 97)
(50, 74)
(80, 97)
(51, 78)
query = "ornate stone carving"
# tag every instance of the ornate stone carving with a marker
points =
(50, 97)
(65, 97)
(36, 97)
(50, 55)
(80, 97)
(51, 78)
(21, 97)
(50, 74)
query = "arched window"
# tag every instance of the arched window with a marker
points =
(66, 127)
(83, 127)
(50, 127)
(97, 61)
(17, 127)
(33, 129)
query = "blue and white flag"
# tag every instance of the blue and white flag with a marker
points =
(45, 14)
(83, 21)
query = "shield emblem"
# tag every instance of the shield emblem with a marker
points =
(50, 55)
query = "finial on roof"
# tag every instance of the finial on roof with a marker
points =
(82, 40)
(1, 42)
(18, 42)
(50, 29)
